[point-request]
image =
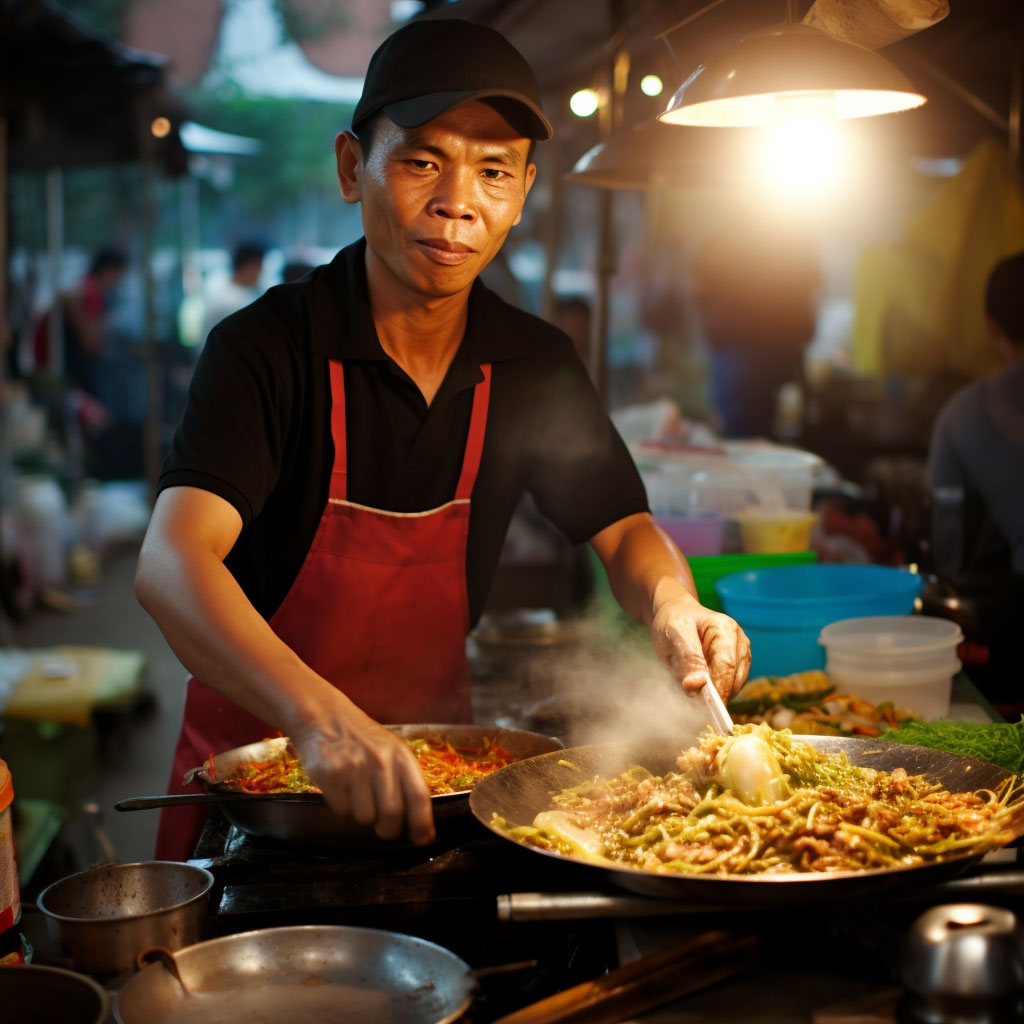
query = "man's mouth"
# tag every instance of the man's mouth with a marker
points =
(446, 252)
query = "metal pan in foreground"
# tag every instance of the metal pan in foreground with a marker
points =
(520, 791)
(307, 974)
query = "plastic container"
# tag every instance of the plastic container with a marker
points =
(726, 480)
(775, 531)
(10, 899)
(694, 535)
(41, 515)
(783, 610)
(707, 570)
(908, 659)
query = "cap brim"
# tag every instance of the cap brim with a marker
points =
(419, 110)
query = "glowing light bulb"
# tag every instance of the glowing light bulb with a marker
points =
(651, 85)
(160, 127)
(584, 102)
(802, 154)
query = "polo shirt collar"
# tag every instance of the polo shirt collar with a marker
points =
(343, 328)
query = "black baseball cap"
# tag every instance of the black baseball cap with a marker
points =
(428, 67)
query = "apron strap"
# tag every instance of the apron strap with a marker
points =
(474, 442)
(339, 471)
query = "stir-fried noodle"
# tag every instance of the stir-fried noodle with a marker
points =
(764, 802)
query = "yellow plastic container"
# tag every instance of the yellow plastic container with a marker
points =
(764, 531)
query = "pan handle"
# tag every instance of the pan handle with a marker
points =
(162, 955)
(145, 803)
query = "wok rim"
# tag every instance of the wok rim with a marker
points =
(624, 874)
(182, 866)
(329, 929)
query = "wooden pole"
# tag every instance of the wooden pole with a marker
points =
(151, 443)
(611, 119)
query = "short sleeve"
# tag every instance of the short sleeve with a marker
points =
(232, 432)
(579, 470)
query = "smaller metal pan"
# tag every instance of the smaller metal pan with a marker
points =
(307, 974)
(305, 818)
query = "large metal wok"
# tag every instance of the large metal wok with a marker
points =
(520, 791)
(305, 817)
(308, 974)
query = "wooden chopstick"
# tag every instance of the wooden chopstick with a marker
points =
(644, 984)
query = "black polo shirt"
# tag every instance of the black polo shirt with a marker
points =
(256, 428)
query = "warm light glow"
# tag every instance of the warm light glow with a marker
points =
(760, 109)
(651, 85)
(802, 155)
(161, 127)
(584, 103)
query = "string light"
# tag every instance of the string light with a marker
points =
(584, 102)
(651, 85)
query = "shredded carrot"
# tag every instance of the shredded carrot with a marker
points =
(446, 768)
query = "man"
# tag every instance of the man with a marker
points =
(312, 556)
(239, 290)
(976, 473)
(86, 311)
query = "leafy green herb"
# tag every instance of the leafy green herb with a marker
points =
(1000, 743)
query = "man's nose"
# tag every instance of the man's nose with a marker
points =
(454, 197)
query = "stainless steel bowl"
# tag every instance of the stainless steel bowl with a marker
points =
(33, 992)
(963, 962)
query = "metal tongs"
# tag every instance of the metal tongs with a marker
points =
(715, 707)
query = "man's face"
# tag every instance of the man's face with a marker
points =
(438, 200)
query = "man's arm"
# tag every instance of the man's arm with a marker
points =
(216, 633)
(652, 582)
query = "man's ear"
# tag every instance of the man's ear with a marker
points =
(531, 177)
(349, 157)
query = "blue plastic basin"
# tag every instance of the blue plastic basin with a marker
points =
(783, 610)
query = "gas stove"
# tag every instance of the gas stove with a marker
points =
(458, 893)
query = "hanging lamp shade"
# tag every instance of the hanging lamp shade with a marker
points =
(795, 66)
(654, 155)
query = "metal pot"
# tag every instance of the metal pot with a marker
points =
(104, 916)
(37, 993)
(305, 973)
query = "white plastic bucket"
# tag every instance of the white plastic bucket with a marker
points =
(907, 659)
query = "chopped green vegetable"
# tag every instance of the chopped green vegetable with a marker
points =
(1000, 743)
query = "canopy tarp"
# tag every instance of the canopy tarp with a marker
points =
(920, 302)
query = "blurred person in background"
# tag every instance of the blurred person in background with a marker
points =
(239, 290)
(86, 310)
(572, 315)
(976, 475)
(333, 507)
(754, 288)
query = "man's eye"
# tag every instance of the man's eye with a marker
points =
(422, 165)
(493, 174)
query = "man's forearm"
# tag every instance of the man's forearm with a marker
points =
(644, 568)
(220, 638)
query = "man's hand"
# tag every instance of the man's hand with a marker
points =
(652, 582)
(368, 773)
(695, 641)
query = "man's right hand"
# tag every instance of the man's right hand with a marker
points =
(368, 773)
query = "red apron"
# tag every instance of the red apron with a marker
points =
(379, 609)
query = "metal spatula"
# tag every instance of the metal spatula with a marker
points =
(715, 707)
